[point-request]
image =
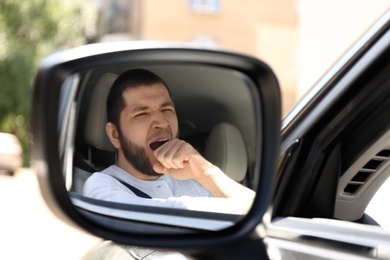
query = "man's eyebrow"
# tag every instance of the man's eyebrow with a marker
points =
(140, 108)
(143, 108)
(168, 104)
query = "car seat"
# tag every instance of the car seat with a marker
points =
(225, 148)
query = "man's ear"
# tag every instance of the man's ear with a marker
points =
(113, 134)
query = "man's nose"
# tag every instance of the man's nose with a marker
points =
(159, 120)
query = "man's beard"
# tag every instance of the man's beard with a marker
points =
(136, 156)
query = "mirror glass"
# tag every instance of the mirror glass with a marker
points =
(217, 111)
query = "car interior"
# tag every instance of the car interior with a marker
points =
(340, 163)
(217, 116)
(364, 146)
(346, 155)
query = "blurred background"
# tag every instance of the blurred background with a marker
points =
(299, 39)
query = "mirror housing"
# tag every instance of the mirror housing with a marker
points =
(59, 71)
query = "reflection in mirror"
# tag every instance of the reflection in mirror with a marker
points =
(211, 109)
(66, 119)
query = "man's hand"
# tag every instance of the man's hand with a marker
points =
(180, 160)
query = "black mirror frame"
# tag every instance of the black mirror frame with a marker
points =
(44, 141)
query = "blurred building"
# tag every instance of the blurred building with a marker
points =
(263, 28)
(275, 31)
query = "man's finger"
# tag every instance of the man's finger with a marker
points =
(159, 168)
(170, 155)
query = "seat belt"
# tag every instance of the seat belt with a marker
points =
(133, 189)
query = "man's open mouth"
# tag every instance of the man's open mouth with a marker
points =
(157, 144)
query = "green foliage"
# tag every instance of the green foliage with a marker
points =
(30, 30)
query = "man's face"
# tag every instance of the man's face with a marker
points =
(148, 121)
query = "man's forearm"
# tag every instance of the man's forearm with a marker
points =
(221, 186)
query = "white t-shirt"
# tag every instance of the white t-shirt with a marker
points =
(164, 192)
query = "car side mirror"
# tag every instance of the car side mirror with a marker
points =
(214, 92)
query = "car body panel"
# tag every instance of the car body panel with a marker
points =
(326, 239)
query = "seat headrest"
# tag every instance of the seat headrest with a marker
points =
(226, 149)
(95, 128)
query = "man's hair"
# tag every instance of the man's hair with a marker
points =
(129, 79)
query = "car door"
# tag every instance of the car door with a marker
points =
(334, 157)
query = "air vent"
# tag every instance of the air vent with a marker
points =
(384, 153)
(368, 170)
